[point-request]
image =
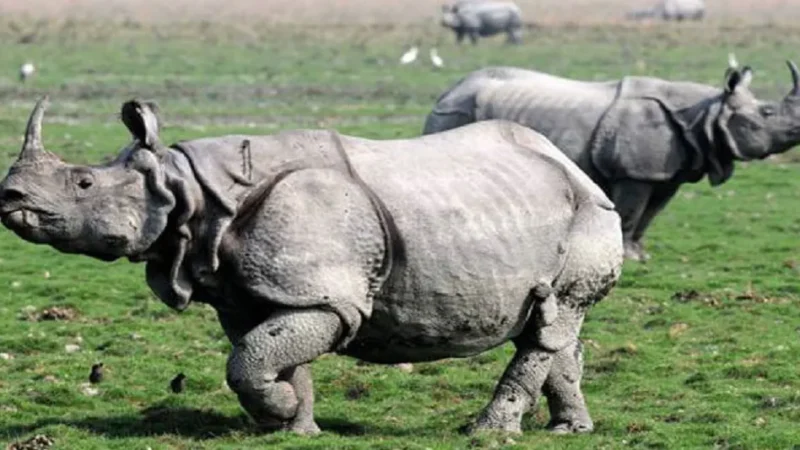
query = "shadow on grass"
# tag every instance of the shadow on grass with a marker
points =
(185, 422)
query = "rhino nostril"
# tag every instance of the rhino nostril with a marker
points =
(11, 195)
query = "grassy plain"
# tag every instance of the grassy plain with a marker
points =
(697, 349)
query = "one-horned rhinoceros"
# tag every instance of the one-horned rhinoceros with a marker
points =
(308, 242)
(482, 18)
(676, 10)
(639, 138)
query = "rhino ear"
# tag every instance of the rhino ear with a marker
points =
(738, 79)
(142, 121)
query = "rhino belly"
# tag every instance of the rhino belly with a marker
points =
(436, 325)
(492, 23)
(480, 226)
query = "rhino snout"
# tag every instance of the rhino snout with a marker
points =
(10, 196)
(11, 212)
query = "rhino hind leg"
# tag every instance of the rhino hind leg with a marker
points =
(568, 412)
(514, 36)
(517, 392)
(267, 367)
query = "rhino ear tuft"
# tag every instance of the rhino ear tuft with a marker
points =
(141, 119)
(732, 63)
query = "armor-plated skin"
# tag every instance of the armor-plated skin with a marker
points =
(638, 138)
(307, 242)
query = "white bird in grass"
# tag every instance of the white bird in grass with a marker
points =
(25, 71)
(436, 59)
(410, 55)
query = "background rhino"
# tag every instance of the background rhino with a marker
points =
(672, 10)
(307, 242)
(639, 138)
(483, 18)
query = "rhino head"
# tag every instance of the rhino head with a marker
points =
(752, 128)
(450, 18)
(108, 211)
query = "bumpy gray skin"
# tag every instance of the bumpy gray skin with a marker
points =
(677, 10)
(482, 18)
(307, 242)
(639, 138)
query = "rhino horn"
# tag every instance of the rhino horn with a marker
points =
(795, 77)
(32, 148)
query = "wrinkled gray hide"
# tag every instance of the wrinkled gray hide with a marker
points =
(639, 138)
(676, 10)
(482, 18)
(308, 242)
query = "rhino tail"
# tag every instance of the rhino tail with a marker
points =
(455, 107)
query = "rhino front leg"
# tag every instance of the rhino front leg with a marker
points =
(568, 412)
(515, 36)
(267, 368)
(662, 194)
(236, 326)
(631, 199)
(518, 391)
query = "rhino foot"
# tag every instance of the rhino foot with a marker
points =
(491, 424)
(634, 251)
(576, 427)
(405, 367)
(303, 427)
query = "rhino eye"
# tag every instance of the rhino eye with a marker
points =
(85, 183)
(767, 111)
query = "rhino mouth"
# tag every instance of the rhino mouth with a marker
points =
(19, 218)
(26, 223)
(22, 218)
(68, 246)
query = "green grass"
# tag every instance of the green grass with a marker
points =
(697, 349)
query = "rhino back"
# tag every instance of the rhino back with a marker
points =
(565, 111)
(481, 220)
(674, 8)
(491, 17)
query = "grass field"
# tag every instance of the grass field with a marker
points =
(699, 348)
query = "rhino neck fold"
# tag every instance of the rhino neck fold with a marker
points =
(709, 144)
(166, 272)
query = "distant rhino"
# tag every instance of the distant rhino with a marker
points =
(639, 138)
(482, 18)
(677, 10)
